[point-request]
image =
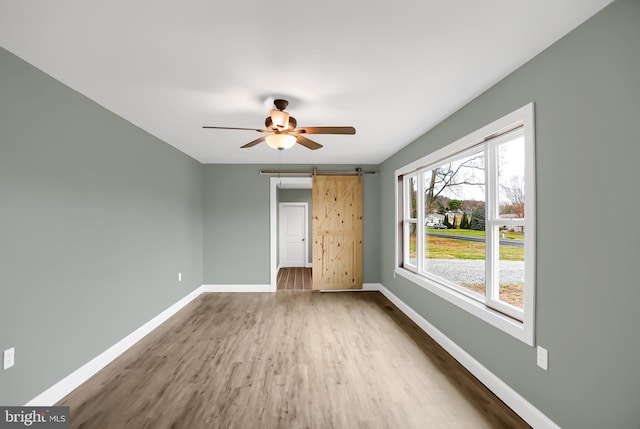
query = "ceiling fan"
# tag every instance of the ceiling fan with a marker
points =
(283, 132)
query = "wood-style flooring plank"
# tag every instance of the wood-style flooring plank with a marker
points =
(294, 278)
(287, 360)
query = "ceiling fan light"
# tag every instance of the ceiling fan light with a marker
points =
(280, 141)
(280, 119)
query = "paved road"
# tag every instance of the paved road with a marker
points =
(504, 241)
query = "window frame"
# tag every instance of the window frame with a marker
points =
(516, 322)
(407, 221)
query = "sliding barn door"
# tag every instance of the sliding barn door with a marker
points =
(337, 232)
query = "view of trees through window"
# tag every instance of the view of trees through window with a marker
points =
(466, 223)
(456, 221)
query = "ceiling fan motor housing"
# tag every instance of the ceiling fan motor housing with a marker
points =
(280, 104)
(268, 123)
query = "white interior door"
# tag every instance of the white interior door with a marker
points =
(293, 234)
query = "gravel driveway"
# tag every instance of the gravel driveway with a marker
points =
(472, 271)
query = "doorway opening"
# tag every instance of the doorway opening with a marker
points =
(276, 184)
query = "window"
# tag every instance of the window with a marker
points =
(467, 217)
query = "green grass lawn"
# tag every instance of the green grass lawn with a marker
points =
(460, 232)
(450, 248)
(472, 233)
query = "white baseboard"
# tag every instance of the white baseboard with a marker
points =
(370, 287)
(515, 401)
(65, 386)
(237, 288)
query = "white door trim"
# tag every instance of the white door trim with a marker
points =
(282, 238)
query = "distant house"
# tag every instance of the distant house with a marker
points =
(452, 213)
(433, 218)
(515, 228)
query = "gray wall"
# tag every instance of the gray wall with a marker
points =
(587, 93)
(236, 223)
(300, 196)
(97, 217)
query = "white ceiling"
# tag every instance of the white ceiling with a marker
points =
(393, 69)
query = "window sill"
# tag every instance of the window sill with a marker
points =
(523, 331)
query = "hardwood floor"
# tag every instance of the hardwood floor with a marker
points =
(296, 278)
(287, 360)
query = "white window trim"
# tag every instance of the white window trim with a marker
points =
(523, 330)
(405, 230)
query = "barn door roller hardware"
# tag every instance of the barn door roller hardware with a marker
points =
(316, 172)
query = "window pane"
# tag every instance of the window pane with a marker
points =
(412, 193)
(511, 265)
(413, 259)
(511, 192)
(454, 222)
(459, 258)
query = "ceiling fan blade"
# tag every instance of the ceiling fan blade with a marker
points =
(253, 143)
(233, 128)
(326, 130)
(309, 144)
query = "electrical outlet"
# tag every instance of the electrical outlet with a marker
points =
(179, 277)
(543, 358)
(9, 358)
